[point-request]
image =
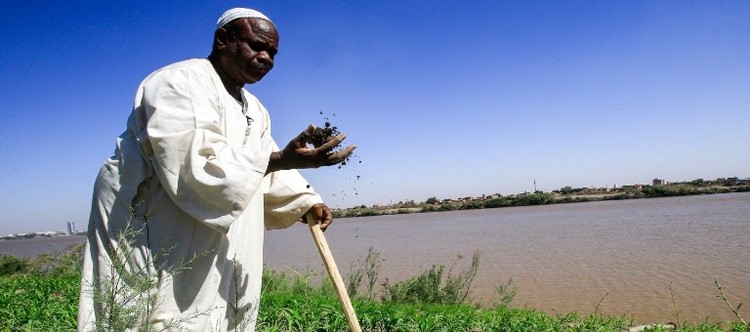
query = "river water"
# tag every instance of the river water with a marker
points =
(617, 257)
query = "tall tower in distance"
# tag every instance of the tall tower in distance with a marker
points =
(72, 228)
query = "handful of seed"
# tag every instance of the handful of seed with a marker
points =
(322, 135)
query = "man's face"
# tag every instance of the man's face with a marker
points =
(248, 54)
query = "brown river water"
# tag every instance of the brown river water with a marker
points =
(617, 257)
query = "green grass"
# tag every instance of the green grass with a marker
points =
(39, 303)
(34, 303)
(44, 297)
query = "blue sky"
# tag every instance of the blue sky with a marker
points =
(443, 98)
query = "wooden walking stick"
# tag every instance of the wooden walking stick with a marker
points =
(333, 272)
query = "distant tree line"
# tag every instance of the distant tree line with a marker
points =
(566, 194)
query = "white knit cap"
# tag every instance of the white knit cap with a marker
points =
(235, 13)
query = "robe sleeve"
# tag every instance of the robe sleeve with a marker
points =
(203, 175)
(288, 198)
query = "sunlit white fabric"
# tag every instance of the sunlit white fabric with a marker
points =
(188, 181)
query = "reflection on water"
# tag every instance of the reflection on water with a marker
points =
(563, 257)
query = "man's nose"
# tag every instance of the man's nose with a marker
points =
(265, 58)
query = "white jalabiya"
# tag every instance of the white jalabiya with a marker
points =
(187, 188)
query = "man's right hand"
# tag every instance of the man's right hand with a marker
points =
(298, 155)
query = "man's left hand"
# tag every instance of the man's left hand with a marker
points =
(320, 213)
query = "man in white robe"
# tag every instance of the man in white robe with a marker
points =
(175, 237)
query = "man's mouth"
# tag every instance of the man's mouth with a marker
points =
(261, 69)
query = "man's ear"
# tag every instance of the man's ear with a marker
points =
(221, 38)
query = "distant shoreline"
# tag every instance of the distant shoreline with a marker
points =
(567, 194)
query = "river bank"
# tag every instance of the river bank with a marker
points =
(565, 195)
(291, 303)
(630, 254)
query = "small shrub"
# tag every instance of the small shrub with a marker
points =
(504, 294)
(10, 265)
(429, 208)
(430, 287)
(448, 207)
(369, 268)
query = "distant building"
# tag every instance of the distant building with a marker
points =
(72, 228)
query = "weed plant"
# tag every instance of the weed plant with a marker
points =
(432, 287)
(128, 293)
